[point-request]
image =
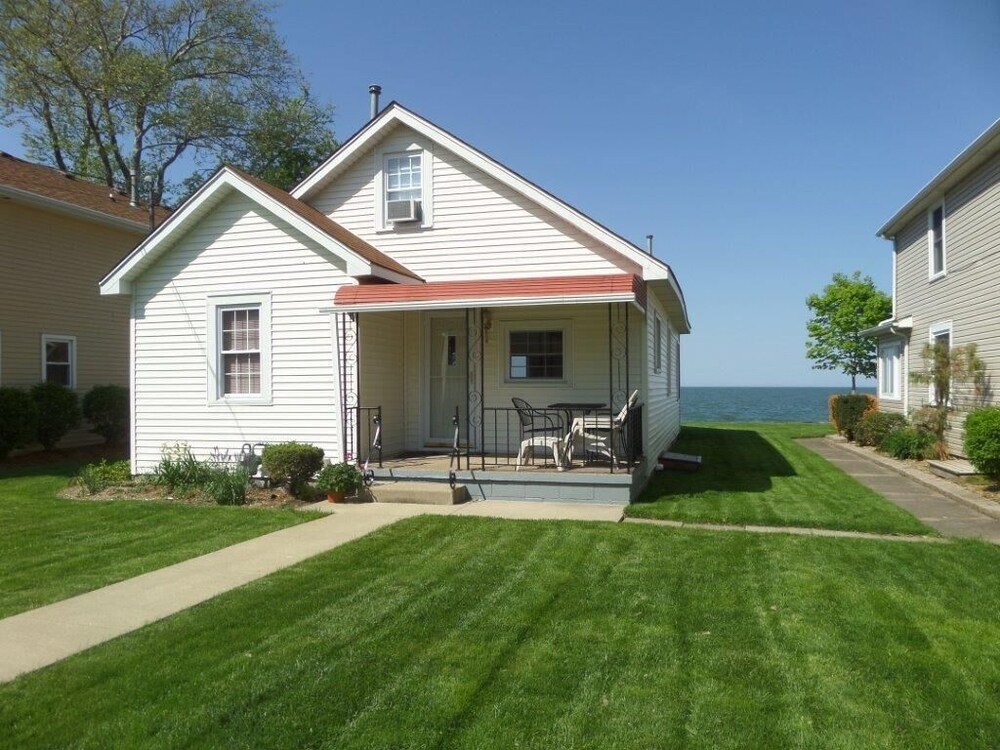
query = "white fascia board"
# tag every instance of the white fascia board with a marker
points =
(53, 204)
(652, 267)
(119, 280)
(461, 304)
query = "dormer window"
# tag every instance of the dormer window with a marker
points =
(404, 200)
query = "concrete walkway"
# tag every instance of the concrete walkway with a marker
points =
(794, 530)
(915, 494)
(43, 636)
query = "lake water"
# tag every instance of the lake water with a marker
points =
(758, 404)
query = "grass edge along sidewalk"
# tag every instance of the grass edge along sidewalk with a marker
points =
(756, 474)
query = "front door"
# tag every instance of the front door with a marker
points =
(447, 367)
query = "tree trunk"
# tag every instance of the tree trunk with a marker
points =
(854, 384)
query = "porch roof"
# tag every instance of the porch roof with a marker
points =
(437, 295)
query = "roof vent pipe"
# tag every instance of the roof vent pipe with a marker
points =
(374, 90)
(649, 244)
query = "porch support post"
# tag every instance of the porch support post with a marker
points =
(474, 383)
(611, 372)
(349, 358)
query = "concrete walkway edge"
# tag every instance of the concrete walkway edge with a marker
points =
(794, 530)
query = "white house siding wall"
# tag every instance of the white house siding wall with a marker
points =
(967, 295)
(383, 376)
(236, 249)
(662, 418)
(481, 228)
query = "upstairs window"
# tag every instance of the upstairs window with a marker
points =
(59, 360)
(936, 241)
(535, 355)
(403, 177)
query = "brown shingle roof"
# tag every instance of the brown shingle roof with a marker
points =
(327, 225)
(75, 191)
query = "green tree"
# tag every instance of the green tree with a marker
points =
(120, 90)
(847, 306)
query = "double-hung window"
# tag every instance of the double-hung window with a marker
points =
(404, 176)
(940, 342)
(240, 348)
(536, 355)
(657, 343)
(403, 195)
(59, 360)
(936, 240)
(889, 358)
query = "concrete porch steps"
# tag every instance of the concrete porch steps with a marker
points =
(422, 493)
(953, 467)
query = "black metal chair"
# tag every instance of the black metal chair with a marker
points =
(539, 430)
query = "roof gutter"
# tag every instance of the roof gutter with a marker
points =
(72, 209)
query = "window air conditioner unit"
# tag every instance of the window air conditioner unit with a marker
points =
(402, 211)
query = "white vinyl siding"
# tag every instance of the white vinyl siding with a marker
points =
(236, 251)
(481, 228)
(889, 356)
(662, 419)
(59, 360)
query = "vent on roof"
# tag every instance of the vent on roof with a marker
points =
(400, 212)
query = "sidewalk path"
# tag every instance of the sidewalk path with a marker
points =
(43, 636)
(931, 506)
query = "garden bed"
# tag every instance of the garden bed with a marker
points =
(257, 497)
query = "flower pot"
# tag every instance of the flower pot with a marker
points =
(335, 497)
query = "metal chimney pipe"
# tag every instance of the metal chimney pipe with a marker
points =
(649, 244)
(374, 90)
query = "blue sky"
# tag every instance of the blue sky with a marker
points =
(762, 143)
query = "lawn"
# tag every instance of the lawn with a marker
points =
(757, 474)
(51, 548)
(475, 633)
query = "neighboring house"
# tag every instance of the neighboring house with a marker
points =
(946, 277)
(58, 235)
(410, 276)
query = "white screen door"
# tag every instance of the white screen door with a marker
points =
(447, 367)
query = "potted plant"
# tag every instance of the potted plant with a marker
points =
(338, 481)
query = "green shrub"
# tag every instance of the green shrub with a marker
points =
(18, 420)
(106, 407)
(179, 469)
(875, 425)
(96, 477)
(908, 443)
(292, 464)
(227, 485)
(848, 408)
(58, 412)
(343, 477)
(982, 440)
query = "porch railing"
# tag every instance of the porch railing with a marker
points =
(501, 436)
(368, 420)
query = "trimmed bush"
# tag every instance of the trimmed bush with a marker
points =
(227, 485)
(875, 425)
(96, 477)
(106, 407)
(848, 408)
(908, 443)
(292, 464)
(18, 419)
(58, 412)
(982, 440)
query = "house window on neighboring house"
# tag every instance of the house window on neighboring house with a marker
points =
(940, 341)
(240, 341)
(657, 343)
(936, 241)
(535, 355)
(59, 359)
(889, 356)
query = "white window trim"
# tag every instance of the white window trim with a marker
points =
(214, 374)
(657, 343)
(426, 189)
(896, 393)
(58, 337)
(933, 332)
(566, 326)
(931, 274)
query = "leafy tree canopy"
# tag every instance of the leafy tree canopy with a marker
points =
(120, 90)
(847, 306)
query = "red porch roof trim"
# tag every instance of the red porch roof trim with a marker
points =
(619, 287)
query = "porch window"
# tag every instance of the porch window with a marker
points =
(535, 355)
(888, 370)
(240, 346)
(59, 360)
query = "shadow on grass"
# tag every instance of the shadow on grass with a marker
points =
(58, 463)
(732, 461)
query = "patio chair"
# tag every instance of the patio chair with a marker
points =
(539, 430)
(596, 433)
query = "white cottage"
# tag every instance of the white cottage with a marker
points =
(396, 309)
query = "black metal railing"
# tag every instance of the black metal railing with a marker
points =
(368, 420)
(559, 438)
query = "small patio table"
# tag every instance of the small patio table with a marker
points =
(582, 407)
